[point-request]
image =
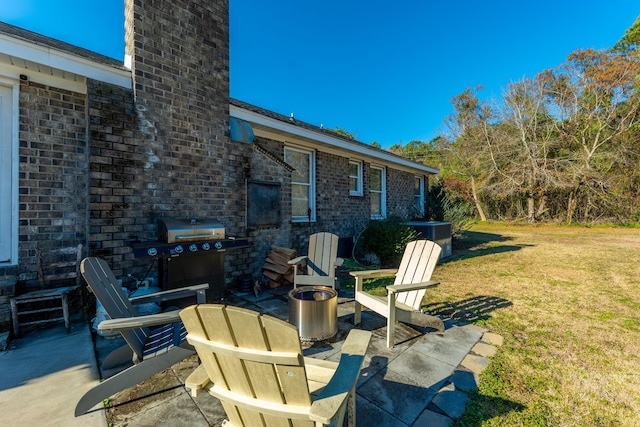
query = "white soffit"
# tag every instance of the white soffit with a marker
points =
(53, 67)
(268, 127)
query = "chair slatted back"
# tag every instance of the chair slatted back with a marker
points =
(255, 363)
(418, 262)
(323, 252)
(104, 286)
(63, 265)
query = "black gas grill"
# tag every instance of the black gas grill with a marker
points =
(190, 252)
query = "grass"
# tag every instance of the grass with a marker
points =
(567, 302)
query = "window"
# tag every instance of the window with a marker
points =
(8, 173)
(377, 188)
(355, 178)
(303, 201)
(418, 196)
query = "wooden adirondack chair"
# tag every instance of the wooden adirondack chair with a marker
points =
(152, 350)
(322, 260)
(253, 363)
(404, 297)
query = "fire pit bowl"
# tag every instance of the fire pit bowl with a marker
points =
(314, 310)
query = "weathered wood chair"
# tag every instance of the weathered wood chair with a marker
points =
(321, 261)
(404, 297)
(49, 300)
(152, 350)
(253, 363)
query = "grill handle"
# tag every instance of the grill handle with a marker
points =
(196, 236)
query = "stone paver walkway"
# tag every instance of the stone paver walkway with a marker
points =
(422, 381)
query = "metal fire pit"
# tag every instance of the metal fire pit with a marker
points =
(314, 310)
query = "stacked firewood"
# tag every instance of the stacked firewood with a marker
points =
(276, 268)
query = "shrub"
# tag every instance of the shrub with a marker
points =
(387, 239)
(448, 201)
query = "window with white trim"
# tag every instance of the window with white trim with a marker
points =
(303, 200)
(355, 178)
(8, 173)
(378, 190)
(418, 196)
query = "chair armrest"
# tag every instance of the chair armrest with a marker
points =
(197, 381)
(140, 321)
(171, 294)
(297, 260)
(367, 274)
(412, 286)
(325, 407)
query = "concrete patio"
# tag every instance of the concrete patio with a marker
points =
(422, 381)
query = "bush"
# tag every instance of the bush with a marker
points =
(447, 201)
(387, 239)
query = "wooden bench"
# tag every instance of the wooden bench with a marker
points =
(40, 296)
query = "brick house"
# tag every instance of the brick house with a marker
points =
(93, 152)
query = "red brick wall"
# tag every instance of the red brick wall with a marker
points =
(400, 197)
(52, 178)
(267, 165)
(117, 159)
(337, 211)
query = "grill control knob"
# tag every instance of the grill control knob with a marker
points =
(179, 249)
(206, 246)
(152, 252)
(193, 247)
(218, 245)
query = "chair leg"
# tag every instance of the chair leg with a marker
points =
(65, 312)
(357, 314)
(15, 318)
(391, 321)
(391, 326)
(130, 377)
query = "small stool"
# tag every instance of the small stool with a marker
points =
(38, 296)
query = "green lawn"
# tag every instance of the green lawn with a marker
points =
(567, 302)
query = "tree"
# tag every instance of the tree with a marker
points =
(524, 148)
(342, 132)
(595, 94)
(630, 40)
(419, 151)
(467, 148)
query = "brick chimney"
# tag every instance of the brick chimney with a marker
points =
(179, 53)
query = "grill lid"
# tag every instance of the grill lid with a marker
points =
(173, 230)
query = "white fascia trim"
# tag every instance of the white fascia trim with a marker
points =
(78, 85)
(357, 149)
(64, 61)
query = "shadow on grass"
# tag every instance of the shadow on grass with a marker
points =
(475, 244)
(482, 408)
(470, 309)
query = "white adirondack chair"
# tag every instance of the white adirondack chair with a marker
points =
(404, 297)
(322, 260)
(253, 363)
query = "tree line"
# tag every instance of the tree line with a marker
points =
(563, 146)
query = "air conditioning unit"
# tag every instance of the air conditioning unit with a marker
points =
(436, 231)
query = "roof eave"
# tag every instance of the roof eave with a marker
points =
(301, 134)
(48, 56)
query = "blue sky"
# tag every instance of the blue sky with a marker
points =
(384, 71)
